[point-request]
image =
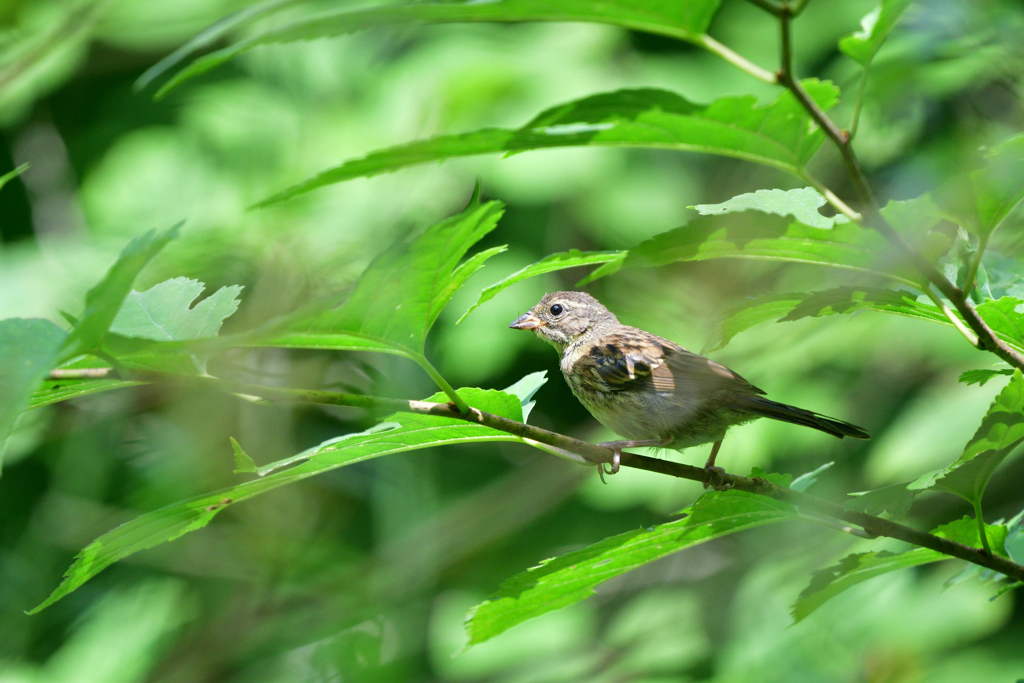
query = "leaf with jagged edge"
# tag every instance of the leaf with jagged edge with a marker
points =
(164, 312)
(981, 377)
(103, 301)
(980, 200)
(802, 204)
(563, 260)
(859, 567)
(401, 432)
(780, 134)
(28, 350)
(682, 19)
(572, 577)
(1000, 432)
(875, 28)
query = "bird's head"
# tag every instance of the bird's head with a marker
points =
(562, 318)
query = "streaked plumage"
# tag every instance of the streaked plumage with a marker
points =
(651, 390)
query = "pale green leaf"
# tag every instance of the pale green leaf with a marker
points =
(682, 19)
(859, 567)
(11, 175)
(244, 464)
(572, 577)
(780, 134)
(103, 301)
(980, 200)
(875, 28)
(163, 313)
(413, 432)
(980, 377)
(808, 479)
(573, 258)
(28, 351)
(801, 204)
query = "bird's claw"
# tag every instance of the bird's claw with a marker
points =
(613, 469)
(716, 479)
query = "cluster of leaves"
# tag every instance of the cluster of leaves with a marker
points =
(398, 299)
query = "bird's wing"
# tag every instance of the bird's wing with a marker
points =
(634, 360)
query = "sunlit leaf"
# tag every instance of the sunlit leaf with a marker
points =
(795, 306)
(980, 377)
(103, 301)
(400, 295)
(549, 264)
(572, 577)
(859, 567)
(808, 479)
(163, 312)
(413, 432)
(1004, 318)
(28, 349)
(801, 204)
(875, 28)
(1001, 431)
(11, 175)
(682, 19)
(981, 199)
(780, 134)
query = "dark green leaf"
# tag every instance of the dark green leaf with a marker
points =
(549, 264)
(162, 312)
(103, 301)
(1000, 432)
(859, 567)
(980, 377)
(413, 432)
(682, 19)
(780, 134)
(28, 350)
(400, 295)
(795, 306)
(11, 175)
(875, 28)
(564, 580)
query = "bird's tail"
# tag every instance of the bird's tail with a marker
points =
(764, 407)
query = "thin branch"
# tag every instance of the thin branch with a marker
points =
(443, 383)
(951, 316)
(594, 454)
(859, 102)
(873, 217)
(972, 269)
(767, 6)
(80, 373)
(737, 60)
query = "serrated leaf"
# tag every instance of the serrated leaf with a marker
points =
(682, 19)
(780, 134)
(980, 200)
(11, 175)
(1004, 319)
(244, 464)
(859, 567)
(401, 293)
(103, 301)
(895, 499)
(414, 432)
(875, 28)
(847, 246)
(799, 305)
(801, 204)
(572, 577)
(1000, 432)
(980, 377)
(28, 350)
(163, 311)
(574, 258)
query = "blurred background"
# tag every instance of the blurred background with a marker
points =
(366, 573)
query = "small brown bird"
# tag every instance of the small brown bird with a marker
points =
(650, 390)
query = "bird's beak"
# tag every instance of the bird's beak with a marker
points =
(526, 321)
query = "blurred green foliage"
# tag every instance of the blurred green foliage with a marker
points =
(366, 573)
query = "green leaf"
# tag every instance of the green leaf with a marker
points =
(1000, 432)
(980, 200)
(11, 175)
(847, 246)
(573, 258)
(798, 305)
(980, 377)
(1015, 539)
(808, 479)
(57, 390)
(801, 204)
(682, 19)
(875, 28)
(780, 134)
(1004, 319)
(895, 499)
(28, 350)
(413, 432)
(103, 301)
(401, 293)
(162, 312)
(859, 567)
(244, 464)
(564, 580)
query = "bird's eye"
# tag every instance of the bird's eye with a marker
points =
(556, 309)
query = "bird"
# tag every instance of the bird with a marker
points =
(653, 391)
